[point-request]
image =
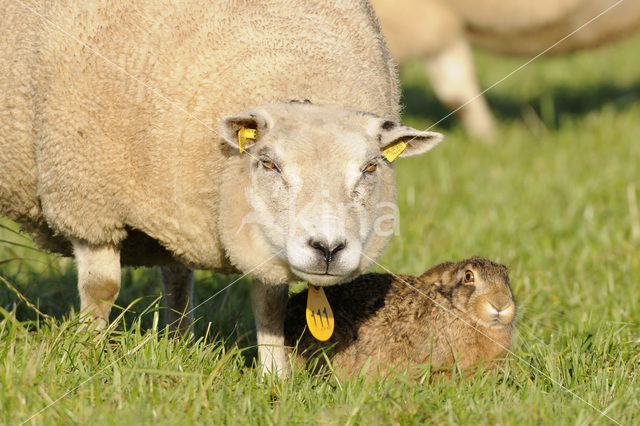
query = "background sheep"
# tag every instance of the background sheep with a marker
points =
(460, 312)
(119, 137)
(440, 32)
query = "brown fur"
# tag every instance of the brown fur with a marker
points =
(380, 317)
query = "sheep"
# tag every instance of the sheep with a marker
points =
(120, 126)
(455, 312)
(439, 31)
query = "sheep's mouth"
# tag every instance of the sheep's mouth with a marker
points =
(320, 279)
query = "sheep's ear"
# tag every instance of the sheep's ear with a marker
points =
(397, 140)
(244, 130)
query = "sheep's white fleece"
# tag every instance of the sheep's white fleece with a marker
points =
(109, 109)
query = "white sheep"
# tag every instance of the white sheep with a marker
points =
(439, 31)
(119, 131)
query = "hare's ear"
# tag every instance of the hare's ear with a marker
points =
(397, 140)
(242, 131)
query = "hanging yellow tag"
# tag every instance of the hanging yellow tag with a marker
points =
(391, 152)
(319, 314)
(243, 135)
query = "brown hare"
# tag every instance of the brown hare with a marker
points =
(460, 312)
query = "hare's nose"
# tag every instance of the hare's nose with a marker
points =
(504, 309)
(500, 305)
(500, 301)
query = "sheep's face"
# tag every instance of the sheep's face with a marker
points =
(318, 188)
(481, 289)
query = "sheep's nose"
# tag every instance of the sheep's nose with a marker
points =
(328, 251)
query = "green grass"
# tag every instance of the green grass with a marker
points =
(549, 198)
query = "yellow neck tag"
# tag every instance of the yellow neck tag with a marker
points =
(391, 152)
(243, 135)
(319, 314)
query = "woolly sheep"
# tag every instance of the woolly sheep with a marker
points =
(119, 130)
(455, 312)
(439, 31)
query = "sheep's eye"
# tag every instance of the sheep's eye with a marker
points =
(371, 167)
(268, 164)
(468, 276)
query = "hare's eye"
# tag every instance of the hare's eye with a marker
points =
(468, 276)
(370, 168)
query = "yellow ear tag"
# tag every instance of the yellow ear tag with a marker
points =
(319, 314)
(243, 135)
(391, 152)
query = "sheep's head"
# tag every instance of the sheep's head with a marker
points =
(311, 187)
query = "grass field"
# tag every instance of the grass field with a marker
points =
(552, 198)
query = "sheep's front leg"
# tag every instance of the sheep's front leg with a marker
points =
(453, 77)
(269, 304)
(98, 280)
(178, 289)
